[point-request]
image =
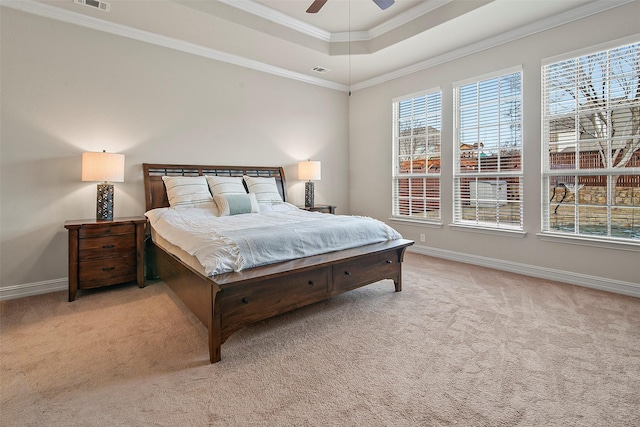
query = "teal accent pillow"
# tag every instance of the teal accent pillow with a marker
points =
(235, 204)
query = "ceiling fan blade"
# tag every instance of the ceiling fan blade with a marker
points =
(384, 4)
(317, 5)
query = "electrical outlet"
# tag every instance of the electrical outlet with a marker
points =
(422, 237)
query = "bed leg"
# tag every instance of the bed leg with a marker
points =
(398, 283)
(215, 339)
(214, 349)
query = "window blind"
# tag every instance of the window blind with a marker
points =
(591, 141)
(416, 142)
(488, 185)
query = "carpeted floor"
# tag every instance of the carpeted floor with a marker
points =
(460, 345)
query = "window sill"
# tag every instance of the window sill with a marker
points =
(414, 221)
(609, 243)
(486, 230)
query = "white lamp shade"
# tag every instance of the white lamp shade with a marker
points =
(102, 167)
(309, 170)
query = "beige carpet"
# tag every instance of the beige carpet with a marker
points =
(460, 345)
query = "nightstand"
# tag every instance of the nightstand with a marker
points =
(321, 208)
(103, 253)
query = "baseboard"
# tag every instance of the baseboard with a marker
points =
(604, 284)
(617, 286)
(36, 288)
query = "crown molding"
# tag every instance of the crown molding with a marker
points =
(534, 28)
(52, 12)
(283, 19)
(350, 36)
(406, 17)
(279, 18)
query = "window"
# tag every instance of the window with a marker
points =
(416, 142)
(591, 152)
(488, 152)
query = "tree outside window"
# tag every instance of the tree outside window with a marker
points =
(592, 143)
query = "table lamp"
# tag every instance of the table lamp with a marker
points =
(310, 171)
(105, 167)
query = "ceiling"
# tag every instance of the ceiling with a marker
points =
(359, 44)
(339, 15)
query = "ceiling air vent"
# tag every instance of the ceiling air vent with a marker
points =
(320, 70)
(98, 4)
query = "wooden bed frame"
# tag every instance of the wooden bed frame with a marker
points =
(227, 302)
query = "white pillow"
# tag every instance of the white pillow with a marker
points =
(223, 185)
(234, 204)
(265, 189)
(188, 191)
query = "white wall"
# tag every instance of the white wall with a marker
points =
(371, 150)
(66, 89)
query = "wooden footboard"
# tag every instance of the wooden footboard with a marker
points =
(228, 302)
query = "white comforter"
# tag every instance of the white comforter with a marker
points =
(278, 233)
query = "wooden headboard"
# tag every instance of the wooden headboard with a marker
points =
(156, 195)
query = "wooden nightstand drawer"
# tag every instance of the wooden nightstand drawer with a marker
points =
(106, 271)
(106, 230)
(106, 247)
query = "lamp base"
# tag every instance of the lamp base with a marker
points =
(104, 203)
(308, 194)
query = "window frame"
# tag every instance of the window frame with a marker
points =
(498, 184)
(431, 215)
(551, 175)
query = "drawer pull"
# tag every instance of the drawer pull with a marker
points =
(389, 261)
(311, 283)
(108, 246)
(245, 300)
(347, 273)
(108, 268)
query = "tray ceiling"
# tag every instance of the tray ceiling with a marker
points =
(357, 43)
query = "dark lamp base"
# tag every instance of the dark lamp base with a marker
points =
(104, 204)
(308, 194)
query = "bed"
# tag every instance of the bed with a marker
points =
(229, 301)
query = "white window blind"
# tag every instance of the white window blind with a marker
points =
(416, 156)
(591, 141)
(488, 151)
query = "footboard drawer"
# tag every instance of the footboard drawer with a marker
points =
(244, 304)
(353, 274)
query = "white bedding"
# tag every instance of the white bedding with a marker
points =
(278, 233)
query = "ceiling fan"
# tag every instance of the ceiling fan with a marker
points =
(317, 5)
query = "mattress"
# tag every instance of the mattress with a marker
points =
(235, 243)
(182, 255)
